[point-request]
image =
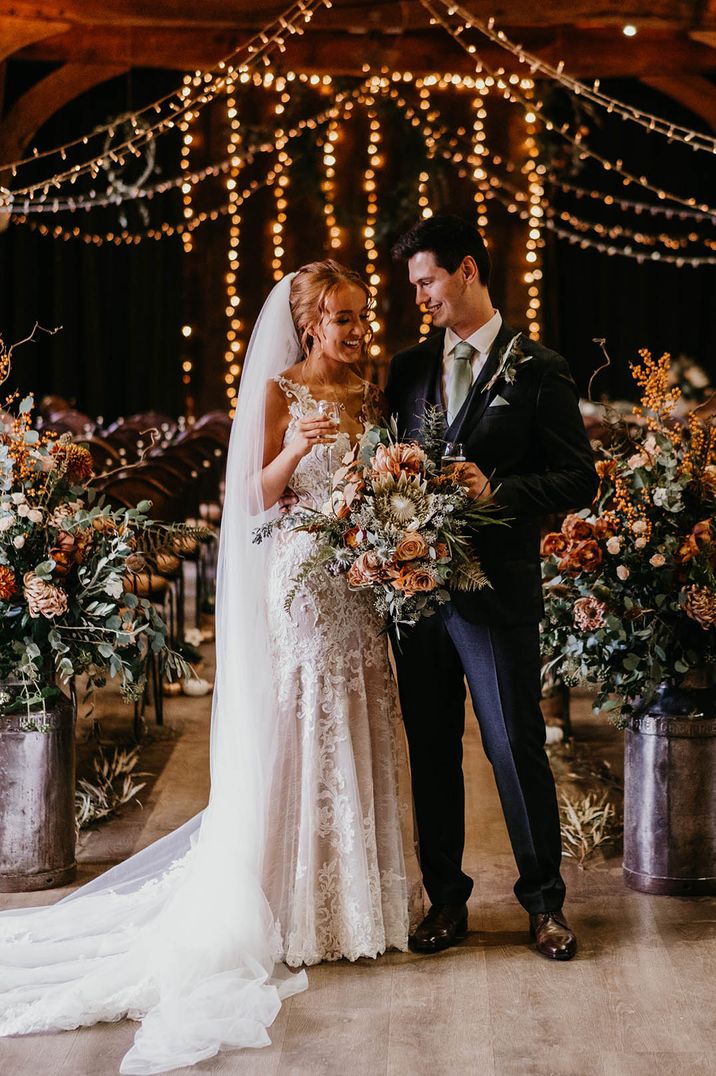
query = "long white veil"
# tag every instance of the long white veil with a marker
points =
(181, 935)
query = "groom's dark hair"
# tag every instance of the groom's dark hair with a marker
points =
(450, 239)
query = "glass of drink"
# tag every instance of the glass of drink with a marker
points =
(330, 410)
(453, 452)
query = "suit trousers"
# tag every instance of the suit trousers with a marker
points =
(502, 667)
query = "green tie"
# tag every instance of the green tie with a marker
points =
(460, 381)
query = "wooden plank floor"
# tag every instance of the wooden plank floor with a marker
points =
(637, 1001)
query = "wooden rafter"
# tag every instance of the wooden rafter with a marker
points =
(15, 33)
(592, 53)
(695, 93)
(39, 103)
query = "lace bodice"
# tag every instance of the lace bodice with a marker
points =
(311, 479)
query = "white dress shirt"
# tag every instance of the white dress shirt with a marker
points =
(482, 340)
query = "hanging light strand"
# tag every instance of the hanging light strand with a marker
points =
(507, 87)
(206, 84)
(234, 340)
(673, 132)
(370, 186)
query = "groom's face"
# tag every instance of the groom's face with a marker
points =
(443, 294)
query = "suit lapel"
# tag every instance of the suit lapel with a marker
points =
(477, 400)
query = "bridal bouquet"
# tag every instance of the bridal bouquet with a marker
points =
(630, 589)
(395, 525)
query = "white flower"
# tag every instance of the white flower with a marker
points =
(639, 526)
(660, 496)
(18, 498)
(113, 586)
(640, 542)
(658, 560)
(651, 446)
(35, 515)
(6, 522)
(23, 509)
(637, 460)
(623, 572)
(18, 541)
(614, 545)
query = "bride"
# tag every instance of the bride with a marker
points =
(298, 856)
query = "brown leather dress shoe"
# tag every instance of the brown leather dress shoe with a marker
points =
(443, 926)
(553, 935)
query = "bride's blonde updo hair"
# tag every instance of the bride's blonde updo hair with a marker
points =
(311, 288)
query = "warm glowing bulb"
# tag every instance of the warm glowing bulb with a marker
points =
(629, 30)
(186, 330)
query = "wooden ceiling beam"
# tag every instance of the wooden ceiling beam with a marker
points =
(400, 14)
(15, 34)
(693, 92)
(46, 97)
(587, 53)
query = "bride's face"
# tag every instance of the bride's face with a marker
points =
(344, 327)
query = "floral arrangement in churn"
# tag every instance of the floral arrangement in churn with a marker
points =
(66, 564)
(630, 588)
(395, 525)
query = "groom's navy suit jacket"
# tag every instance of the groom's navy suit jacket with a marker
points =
(533, 447)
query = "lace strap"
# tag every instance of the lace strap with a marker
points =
(293, 391)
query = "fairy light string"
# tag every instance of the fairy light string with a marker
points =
(652, 123)
(208, 84)
(507, 87)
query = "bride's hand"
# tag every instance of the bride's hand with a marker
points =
(313, 431)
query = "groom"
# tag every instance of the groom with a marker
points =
(515, 412)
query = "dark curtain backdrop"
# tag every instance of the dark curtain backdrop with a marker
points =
(122, 308)
(589, 294)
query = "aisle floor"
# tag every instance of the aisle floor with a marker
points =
(637, 1001)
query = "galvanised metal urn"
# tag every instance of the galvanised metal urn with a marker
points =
(37, 793)
(670, 793)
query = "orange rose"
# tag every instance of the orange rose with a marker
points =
(411, 547)
(8, 583)
(687, 550)
(366, 570)
(392, 459)
(702, 532)
(584, 556)
(353, 537)
(63, 553)
(554, 544)
(415, 580)
(606, 526)
(576, 528)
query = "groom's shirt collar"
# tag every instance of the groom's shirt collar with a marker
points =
(482, 340)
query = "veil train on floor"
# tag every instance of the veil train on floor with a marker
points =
(181, 936)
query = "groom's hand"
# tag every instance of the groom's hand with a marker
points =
(471, 479)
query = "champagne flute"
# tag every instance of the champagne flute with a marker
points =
(330, 410)
(453, 452)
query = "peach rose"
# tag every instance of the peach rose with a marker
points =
(415, 581)
(554, 544)
(366, 570)
(582, 557)
(411, 547)
(576, 528)
(392, 459)
(606, 526)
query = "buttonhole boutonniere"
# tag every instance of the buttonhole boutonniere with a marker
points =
(508, 360)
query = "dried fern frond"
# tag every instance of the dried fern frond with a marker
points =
(114, 786)
(587, 824)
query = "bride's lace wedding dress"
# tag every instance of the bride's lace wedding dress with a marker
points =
(298, 856)
(337, 877)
